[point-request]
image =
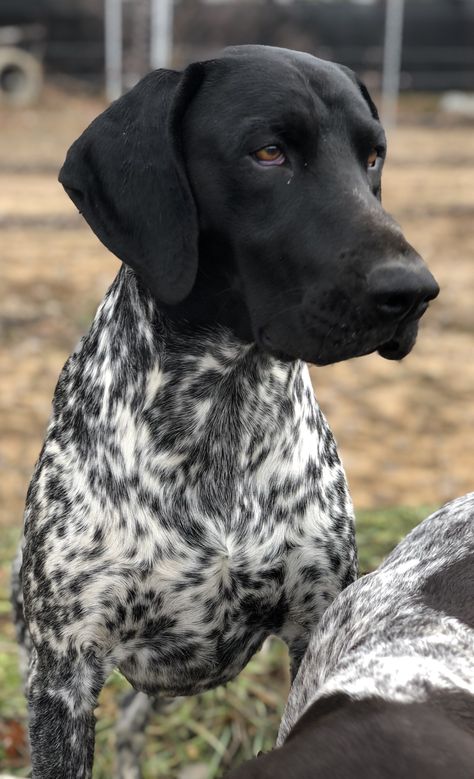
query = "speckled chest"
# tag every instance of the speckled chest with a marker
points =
(188, 501)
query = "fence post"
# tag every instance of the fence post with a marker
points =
(113, 48)
(161, 33)
(392, 60)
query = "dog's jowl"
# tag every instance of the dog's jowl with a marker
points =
(189, 500)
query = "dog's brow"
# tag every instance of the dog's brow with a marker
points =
(277, 121)
(290, 124)
(371, 131)
(254, 123)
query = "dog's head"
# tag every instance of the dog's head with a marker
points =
(340, 737)
(245, 191)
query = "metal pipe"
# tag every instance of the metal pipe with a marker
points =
(113, 48)
(392, 60)
(161, 33)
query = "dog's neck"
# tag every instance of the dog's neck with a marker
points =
(192, 382)
(217, 297)
(199, 406)
(181, 347)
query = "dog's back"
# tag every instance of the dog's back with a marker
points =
(405, 631)
(386, 688)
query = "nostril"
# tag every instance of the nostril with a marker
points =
(394, 304)
(398, 292)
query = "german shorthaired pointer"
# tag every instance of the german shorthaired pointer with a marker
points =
(189, 500)
(386, 688)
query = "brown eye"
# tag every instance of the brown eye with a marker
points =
(372, 158)
(270, 155)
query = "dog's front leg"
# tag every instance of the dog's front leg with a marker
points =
(297, 648)
(62, 695)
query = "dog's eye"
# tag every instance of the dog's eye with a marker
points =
(270, 155)
(372, 158)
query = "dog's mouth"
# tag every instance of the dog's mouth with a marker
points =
(401, 343)
(345, 346)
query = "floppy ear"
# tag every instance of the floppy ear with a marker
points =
(367, 98)
(373, 110)
(126, 175)
(362, 88)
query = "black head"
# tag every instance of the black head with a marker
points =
(340, 738)
(246, 192)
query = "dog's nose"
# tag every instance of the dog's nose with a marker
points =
(398, 291)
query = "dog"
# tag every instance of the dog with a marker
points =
(386, 687)
(189, 499)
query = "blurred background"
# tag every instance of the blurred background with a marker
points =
(405, 430)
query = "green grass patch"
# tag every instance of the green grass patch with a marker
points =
(378, 532)
(218, 729)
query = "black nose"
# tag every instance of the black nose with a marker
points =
(398, 291)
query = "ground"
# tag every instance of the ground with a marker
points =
(404, 429)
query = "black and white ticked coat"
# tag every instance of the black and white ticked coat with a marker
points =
(404, 633)
(188, 502)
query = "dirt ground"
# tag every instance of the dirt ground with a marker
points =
(405, 429)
